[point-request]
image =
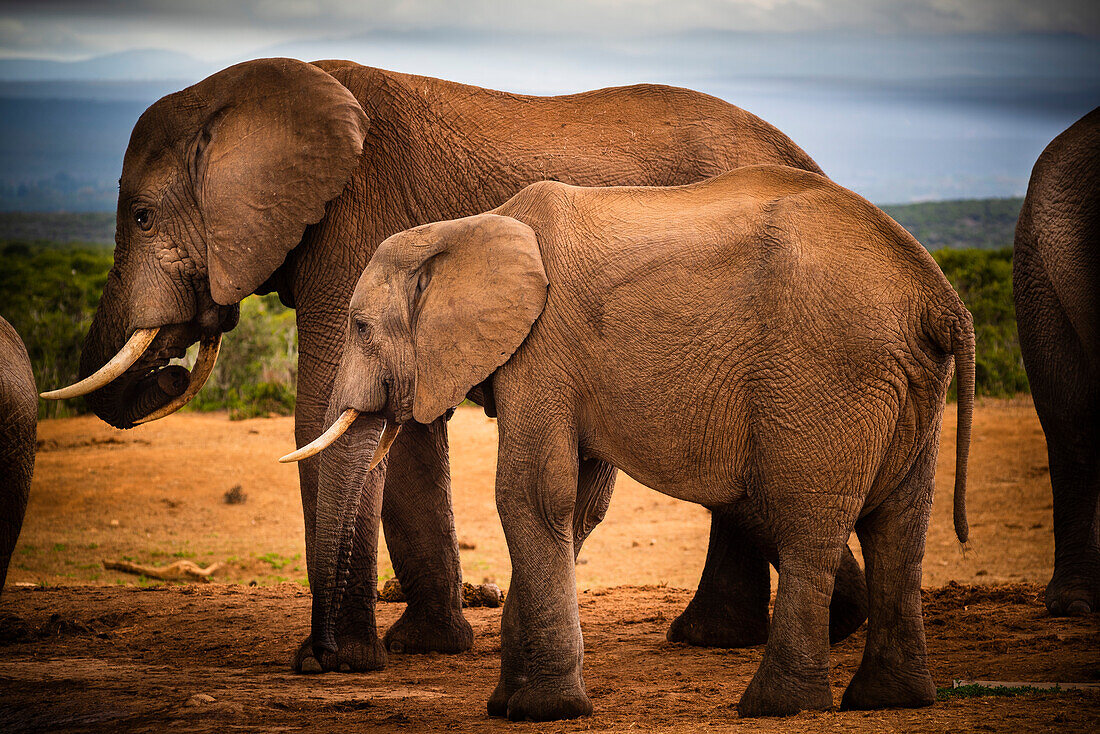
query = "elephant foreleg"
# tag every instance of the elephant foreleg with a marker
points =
(420, 533)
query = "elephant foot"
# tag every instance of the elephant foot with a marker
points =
(771, 693)
(498, 702)
(354, 654)
(877, 686)
(717, 625)
(418, 634)
(543, 702)
(1074, 592)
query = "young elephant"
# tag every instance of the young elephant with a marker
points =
(764, 342)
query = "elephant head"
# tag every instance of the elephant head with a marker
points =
(219, 182)
(439, 308)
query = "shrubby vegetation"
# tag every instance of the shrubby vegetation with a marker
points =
(49, 288)
(983, 279)
(49, 294)
(258, 365)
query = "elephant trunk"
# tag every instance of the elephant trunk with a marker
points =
(347, 480)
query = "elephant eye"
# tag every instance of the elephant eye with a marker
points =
(361, 327)
(144, 218)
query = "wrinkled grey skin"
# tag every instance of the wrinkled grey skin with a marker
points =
(764, 343)
(276, 175)
(1056, 286)
(18, 429)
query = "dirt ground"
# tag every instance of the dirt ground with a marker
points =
(90, 649)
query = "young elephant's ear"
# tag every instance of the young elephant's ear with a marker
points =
(479, 296)
(280, 139)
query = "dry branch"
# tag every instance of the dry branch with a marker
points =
(178, 571)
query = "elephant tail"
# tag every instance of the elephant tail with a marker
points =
(962, 347)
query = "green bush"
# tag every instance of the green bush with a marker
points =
(983, 279)
(258, 365)
(49, 296)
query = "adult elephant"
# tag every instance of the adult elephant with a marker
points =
(1056, 285)
(278, 175)
(18, 429)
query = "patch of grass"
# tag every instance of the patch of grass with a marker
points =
(60, 547)
(274, 560)
(976, 691)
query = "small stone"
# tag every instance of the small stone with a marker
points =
(200, 699)
(467, 545)
(114, 523)
(491, 595)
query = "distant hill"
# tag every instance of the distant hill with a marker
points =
(58, 230)
(136, 65)
(985, 224)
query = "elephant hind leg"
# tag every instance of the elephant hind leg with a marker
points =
(1074, 455)
(794, 674)
(894, 670)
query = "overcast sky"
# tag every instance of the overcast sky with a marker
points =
(900, 100)
(219, 29)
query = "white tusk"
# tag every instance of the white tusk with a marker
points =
(325, 440)
(130, 353)
(200, 373)
(389, 433)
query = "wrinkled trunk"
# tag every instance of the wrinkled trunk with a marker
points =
(345, 483)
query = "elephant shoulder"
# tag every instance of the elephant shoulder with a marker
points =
(542, 205)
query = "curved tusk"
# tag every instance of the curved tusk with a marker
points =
(389, 433)
(130, 353)
(325, 440)
(200, 373)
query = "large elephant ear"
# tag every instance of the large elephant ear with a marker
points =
(280, 140)
(480, 293)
